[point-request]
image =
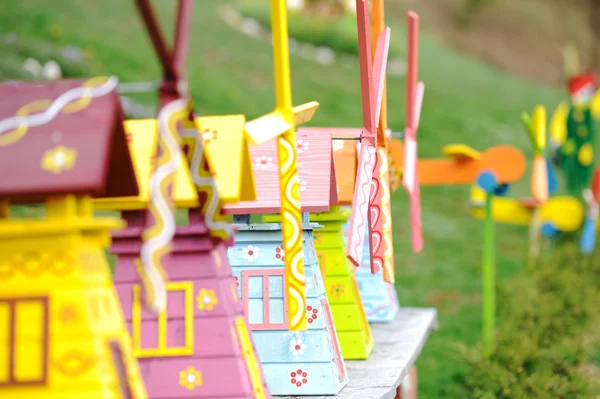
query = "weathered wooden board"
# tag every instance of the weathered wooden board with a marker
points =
(397, 347)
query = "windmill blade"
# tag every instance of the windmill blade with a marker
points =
(360, 202)
(419, 104)
(595, 186)
(558, 124)
(267, 127)
(379, 70)
(366, 68)
(412, 69)
(305, 112)
(538, 120)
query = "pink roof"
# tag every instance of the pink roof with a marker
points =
(315, 170)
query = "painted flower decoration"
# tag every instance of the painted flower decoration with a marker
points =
(206, 299)
(280, 253)
(303, 185)
(311, 314)
(237, 281)
(302, 146)
(59, 159)
(209, 135)
(297, 346)
(337, 290)
(264, 162)
(299, 377)
(190, 378)
(337, 144)
(250, 253)
(129, 137)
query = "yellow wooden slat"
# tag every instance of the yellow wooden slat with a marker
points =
(305, 112)
(267, 127)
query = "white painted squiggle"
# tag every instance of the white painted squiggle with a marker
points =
(58, 104)
(155, 244)
(213, 205)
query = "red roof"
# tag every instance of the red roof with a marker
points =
(315, 172)
(69, 139)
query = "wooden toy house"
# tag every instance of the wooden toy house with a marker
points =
(199, 347)
(295, 362)
(62, 332)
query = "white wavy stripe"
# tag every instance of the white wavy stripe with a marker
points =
(290, 150)
(358, 239)
(199, 181)
(298, 259)
(292, 181)
(168, 232)
(58, 104)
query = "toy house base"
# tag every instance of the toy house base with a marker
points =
(295, 363)
(342, 290)
(200, 346)
(59, 305)
(379, 297)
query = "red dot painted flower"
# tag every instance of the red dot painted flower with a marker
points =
(337, 290)
(299, 377)
(237, 281)
(311, 314)
(129, 137)
(280, 253)
(302, 145)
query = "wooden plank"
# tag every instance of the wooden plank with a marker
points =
(397, 346)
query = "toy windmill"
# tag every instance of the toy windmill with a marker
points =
(366, 204)
(588, 234)
(281, 125)
(414, 101)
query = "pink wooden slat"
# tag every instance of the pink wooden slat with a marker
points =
(366, 68)
(314, 166)
(360, 202)
(412, 68)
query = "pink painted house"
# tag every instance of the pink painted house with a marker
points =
(200, 347)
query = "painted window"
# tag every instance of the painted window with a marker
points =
(265, 300)
(169, 333)
(24, 341)
(120, 369)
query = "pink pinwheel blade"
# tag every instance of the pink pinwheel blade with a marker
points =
(379, 70)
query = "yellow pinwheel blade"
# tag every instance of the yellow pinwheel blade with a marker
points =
(558, 124)
(267, 127)
(305, 112)
(539, 127)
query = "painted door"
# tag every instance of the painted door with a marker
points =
(333, 338)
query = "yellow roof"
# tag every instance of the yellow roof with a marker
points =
(227, 153)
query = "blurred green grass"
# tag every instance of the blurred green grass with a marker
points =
(465, 101)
